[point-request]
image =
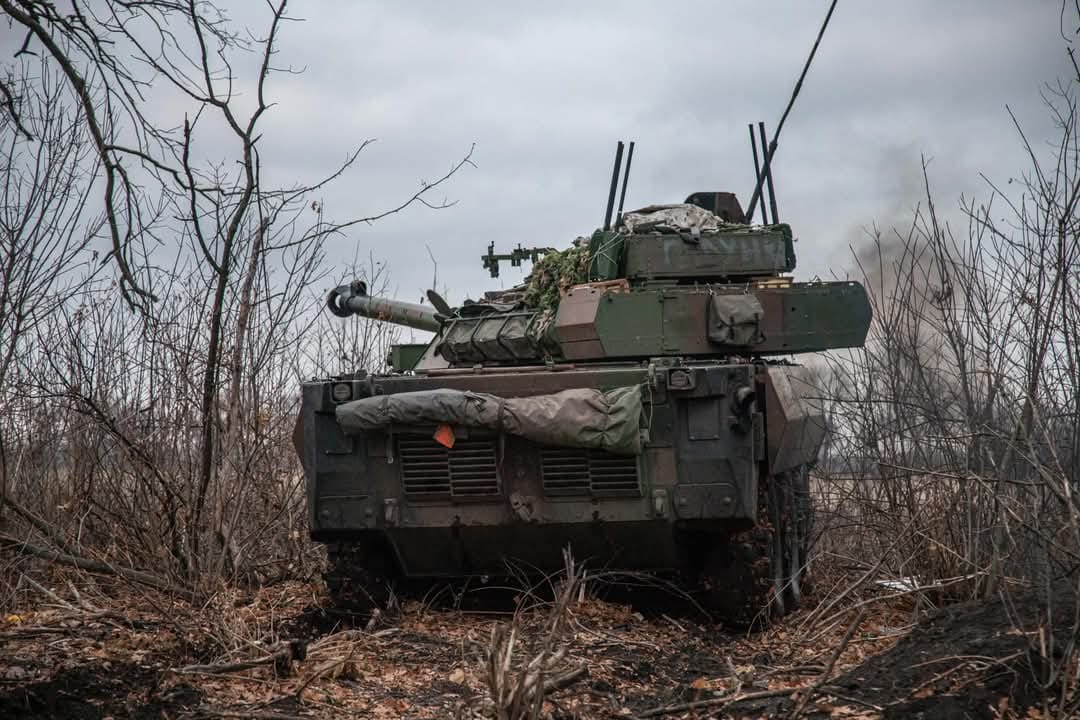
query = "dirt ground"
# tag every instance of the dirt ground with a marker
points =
(119, 653)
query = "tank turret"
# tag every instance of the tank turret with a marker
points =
(666, 280)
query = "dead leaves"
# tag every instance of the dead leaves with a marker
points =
(428, 663)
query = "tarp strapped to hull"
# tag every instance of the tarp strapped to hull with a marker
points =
(582, 417)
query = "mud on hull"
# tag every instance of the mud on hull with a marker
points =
(740, 573)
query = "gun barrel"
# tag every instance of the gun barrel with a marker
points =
(353, 300)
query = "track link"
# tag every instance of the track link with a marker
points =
(757, 574)
(356, 578)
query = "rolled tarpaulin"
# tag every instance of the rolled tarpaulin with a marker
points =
(582, 417)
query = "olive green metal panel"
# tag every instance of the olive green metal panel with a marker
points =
(683, 328)
(747, 251)
(795, 420)
(630, 324)
(817, 316)
(804, 317)
(405, 356)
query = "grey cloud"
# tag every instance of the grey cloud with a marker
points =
(544, 90)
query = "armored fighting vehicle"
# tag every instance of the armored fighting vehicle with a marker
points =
(634, 399)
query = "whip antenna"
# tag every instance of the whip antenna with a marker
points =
(771, 151)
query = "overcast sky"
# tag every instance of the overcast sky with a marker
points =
(544, 90)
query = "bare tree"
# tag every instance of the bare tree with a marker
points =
(45, 229)
(173, 420)
(959, 420)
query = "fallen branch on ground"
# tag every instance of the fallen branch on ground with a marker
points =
(715, 702)
(565, 680)
(281, 658)
(804, 697)
(41, 525)
(98, 566)
(245, 713)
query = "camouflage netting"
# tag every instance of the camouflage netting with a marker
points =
(555, 272)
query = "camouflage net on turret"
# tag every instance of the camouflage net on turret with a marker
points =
(555, 272)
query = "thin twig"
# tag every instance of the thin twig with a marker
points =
(713, 703)
(804, 697)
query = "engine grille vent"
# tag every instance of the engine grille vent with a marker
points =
(574, 471)
(469, 469)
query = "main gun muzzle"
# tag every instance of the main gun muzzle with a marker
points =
(352, 299)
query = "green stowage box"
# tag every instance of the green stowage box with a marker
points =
(732, 252)
(405, 356)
